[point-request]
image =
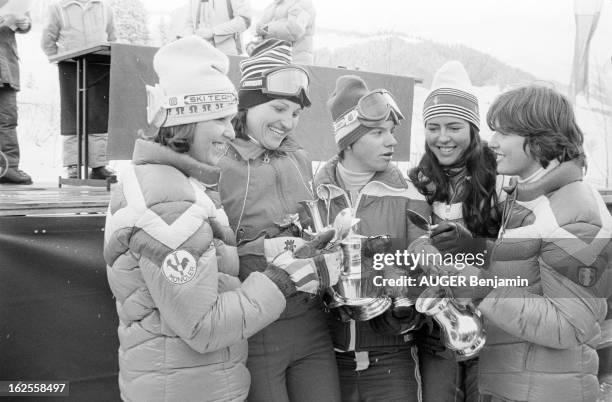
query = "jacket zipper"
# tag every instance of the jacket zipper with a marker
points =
(279, 187)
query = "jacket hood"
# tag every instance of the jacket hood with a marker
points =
(147, 152)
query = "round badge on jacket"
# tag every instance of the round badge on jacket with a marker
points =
(179, 267)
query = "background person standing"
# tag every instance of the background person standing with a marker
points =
(9, 85)
(74, 24)
(221, 22)
(293, 21)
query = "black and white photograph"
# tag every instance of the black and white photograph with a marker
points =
(306, 200)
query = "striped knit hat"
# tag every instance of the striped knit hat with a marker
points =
(451, 95)
(269, 54)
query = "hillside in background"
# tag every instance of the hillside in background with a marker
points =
(395, 53)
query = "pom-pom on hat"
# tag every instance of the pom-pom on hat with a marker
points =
(349, 89)
(452, 95)
(269, 54)
(193, 84)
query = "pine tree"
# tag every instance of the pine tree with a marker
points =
(130, 19)
(164, 31)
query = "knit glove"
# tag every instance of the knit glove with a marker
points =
(376, 245)
(278, 245)
(312, 267)
(454, 238)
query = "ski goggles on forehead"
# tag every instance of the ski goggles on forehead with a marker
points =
(285, 81)
(378, 105)
(372, 109)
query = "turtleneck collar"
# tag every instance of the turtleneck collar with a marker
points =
(147, 152)
(353, 181)
(391, 176)
(538, 174)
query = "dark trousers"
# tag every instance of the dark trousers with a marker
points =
(9, 145)
(391, 376)
(447, 380)
(292, 359)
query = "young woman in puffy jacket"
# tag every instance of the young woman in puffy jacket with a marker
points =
(556, 236)
(457, 175)
(265, 174)
(184, 316)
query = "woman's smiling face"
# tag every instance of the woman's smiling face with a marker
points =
(513, 157)
(210, 140)
(448, 138)
(271, 122)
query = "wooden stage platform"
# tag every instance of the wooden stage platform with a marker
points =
(48, 199)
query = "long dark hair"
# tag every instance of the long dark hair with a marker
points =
(239, 123)
(480, 200)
